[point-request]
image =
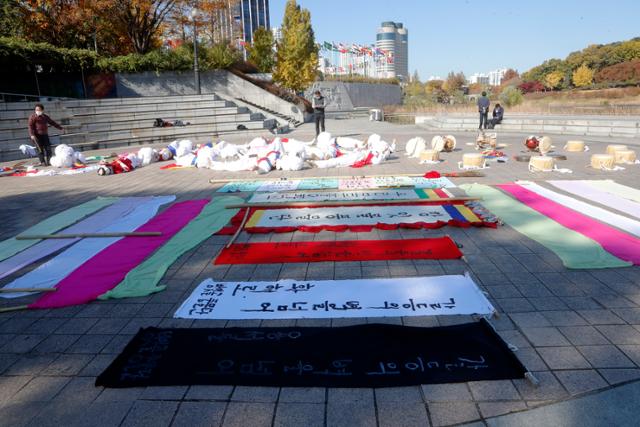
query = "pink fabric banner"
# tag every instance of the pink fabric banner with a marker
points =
(106, 269)
(617, 243)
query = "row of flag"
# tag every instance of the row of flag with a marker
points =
(355, 49)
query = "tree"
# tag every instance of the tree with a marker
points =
(454, 82)
(511, 96)
(297, 53)
(531, 86)
(510, 74)
(553, 79)
(260, 53)
(583, 76)
(11, 19)
(142, 20)
(414, 87)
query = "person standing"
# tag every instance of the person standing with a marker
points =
(483, 109)
(318, 103)
(39, 132)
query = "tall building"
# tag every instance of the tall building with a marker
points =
(239, 19)
(393, 38)
(492, 78)
(254, 14)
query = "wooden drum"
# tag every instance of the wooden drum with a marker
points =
(574, 146)
(429, 156)
(437, 143)
(473, 161)
(602, 161)
(449, 143)
(545, 145)
(611, 149)
(541, 164)
(625, 156)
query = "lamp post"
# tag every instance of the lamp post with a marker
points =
(196, 71)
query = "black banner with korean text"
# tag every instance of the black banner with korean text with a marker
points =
(371, 355)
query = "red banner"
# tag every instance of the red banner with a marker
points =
(342, 250)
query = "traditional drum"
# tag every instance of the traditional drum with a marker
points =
(437, 143)
(429, 156)
(602, 161)
(541, 164)
(415, 146)
(625, 156)
(611, 149)
(449, 143)
(473, 161)
(574, 146)
(545, 145)
(532, 143)
(486, 140)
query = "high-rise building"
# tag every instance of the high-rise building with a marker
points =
(492, 78)
(254, 14)
(393, 38)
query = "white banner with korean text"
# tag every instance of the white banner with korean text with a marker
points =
(321, 299)
(334, 196)
(349, 215)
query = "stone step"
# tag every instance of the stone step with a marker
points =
(57, 104)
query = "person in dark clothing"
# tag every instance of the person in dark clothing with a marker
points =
(483, 109)
(498, 114)
(39, 133)
(318, 103)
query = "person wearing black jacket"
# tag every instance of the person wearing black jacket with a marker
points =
(498, 114)
(318, 103)
(483, 109)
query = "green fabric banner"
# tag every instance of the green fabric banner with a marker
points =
(574, 249)
(55, 223)
(612, 187)
(143, 280)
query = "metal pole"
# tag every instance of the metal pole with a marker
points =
(196, 71)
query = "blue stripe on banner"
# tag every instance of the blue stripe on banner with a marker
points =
(454, 213)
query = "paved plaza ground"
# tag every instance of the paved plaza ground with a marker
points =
(577, 330)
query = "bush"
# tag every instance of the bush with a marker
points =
(532, 86)
(511, 96)
(17, 54)
(620, 74)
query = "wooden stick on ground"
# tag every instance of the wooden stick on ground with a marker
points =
(14, 308)
(444, 174)
(8, 290)
(87, 235)
(351, 203)
(239, 230)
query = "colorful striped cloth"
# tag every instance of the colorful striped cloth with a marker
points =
(53, 224)
(615, 242)
(574, 249)
(106, 269)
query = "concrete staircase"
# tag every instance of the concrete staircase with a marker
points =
(105, 123)
(611, 126)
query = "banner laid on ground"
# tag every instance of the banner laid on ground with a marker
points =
(143, 280)
(53, 224)
(622, 222)
(612, 187)
(574, 249)
(354, 216)
(352, 183)
(612, 201)
(340, 196)
(372, 355)
(124, 215)
(615, 242)
(309, 299)
(339, 251)
(106, 269)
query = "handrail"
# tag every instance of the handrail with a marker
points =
(27, 97)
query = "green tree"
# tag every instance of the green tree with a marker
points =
(11, 19)
(261, 51)
(415, 87)
(553, 79)
(583, 76)
(511, 96)
(297, 53)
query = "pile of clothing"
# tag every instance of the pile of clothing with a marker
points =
(286, 154)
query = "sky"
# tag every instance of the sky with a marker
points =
(475, 36)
